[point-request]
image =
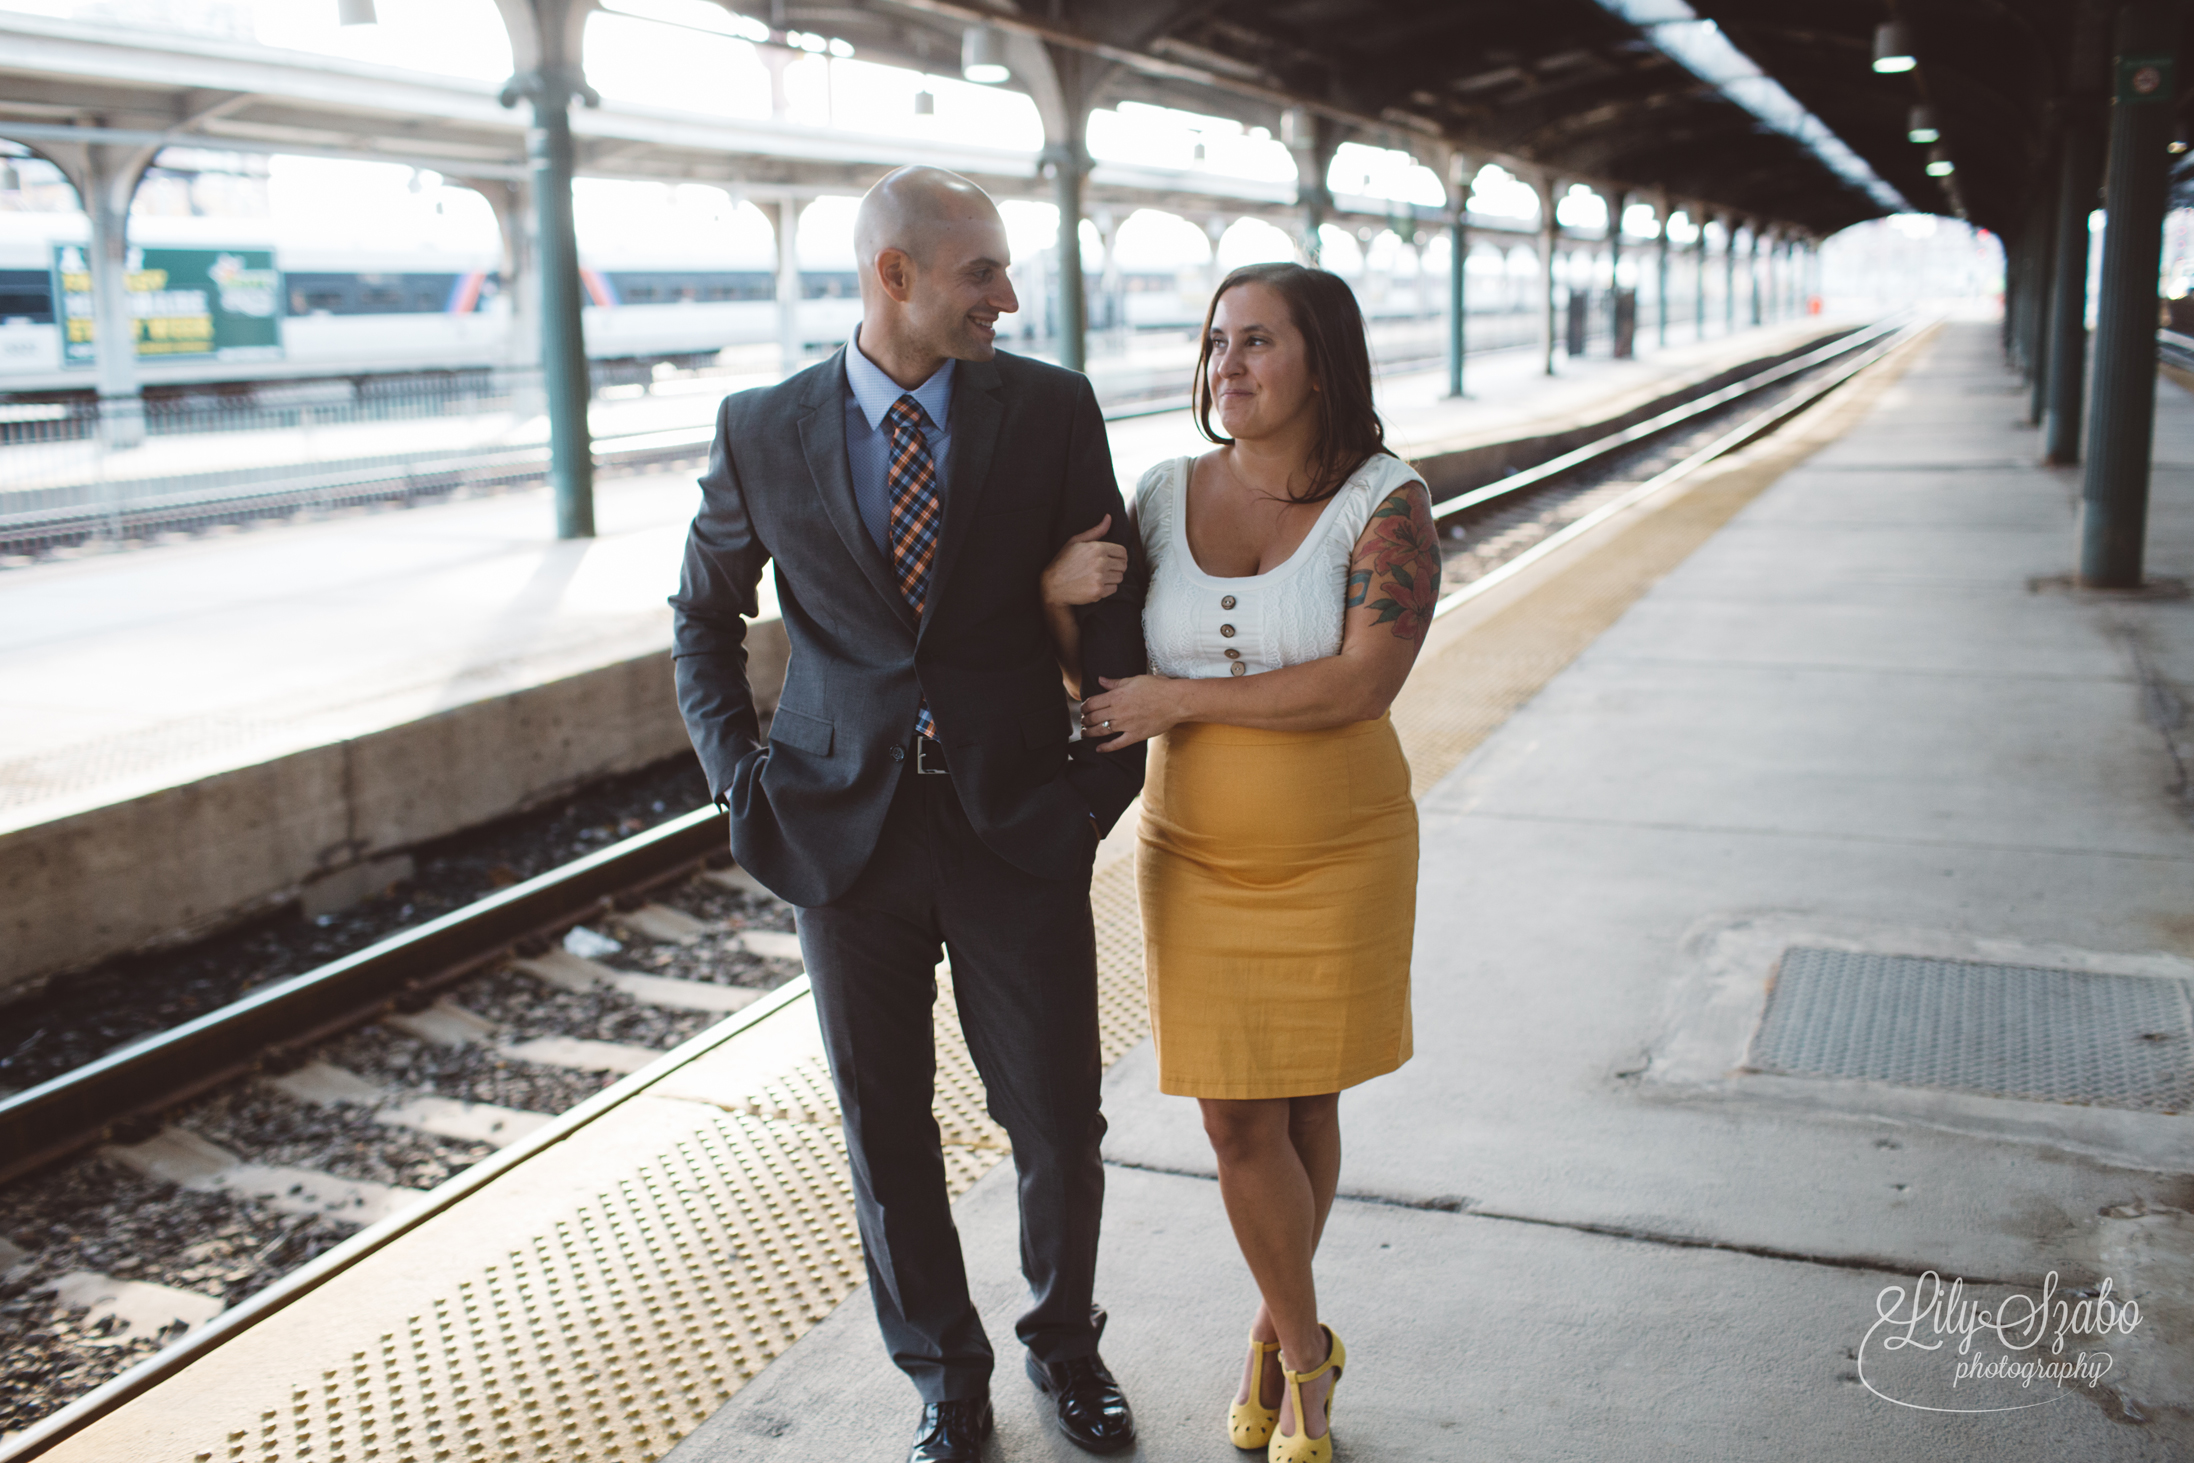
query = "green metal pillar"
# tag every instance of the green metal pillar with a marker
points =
(565, 378)
(2079, 182)
(1752, 273)
(1729, 275)
(1660, 281)
(1698, 273)
(1068, 165)
(2114, 498)
(1458, 255)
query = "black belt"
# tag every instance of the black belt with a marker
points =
(929, 757)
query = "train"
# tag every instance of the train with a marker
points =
(311, 306)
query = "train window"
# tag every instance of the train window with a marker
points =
(819, 286)
(26, 294)
(370, 294)
(664, 287)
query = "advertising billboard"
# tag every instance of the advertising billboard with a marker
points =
(220, 304)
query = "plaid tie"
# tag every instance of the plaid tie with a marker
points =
(910, 482)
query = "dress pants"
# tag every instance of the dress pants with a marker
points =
(1024, 969)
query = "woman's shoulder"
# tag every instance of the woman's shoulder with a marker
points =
(1154, 489)
(1382, 473)
(1367, 487)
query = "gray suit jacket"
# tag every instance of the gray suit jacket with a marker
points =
(1029, 467)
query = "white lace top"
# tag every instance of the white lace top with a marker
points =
(1200, 625)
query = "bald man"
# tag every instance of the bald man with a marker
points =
(918, 794)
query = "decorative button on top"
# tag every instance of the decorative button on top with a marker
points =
(1233, 654)
(1237, 669)
(1227, 630)
(1226, 602)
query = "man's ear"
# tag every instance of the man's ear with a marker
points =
(895, 272)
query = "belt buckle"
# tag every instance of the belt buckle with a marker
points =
(922, 746)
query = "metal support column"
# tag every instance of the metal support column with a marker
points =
(1458, 256)
(1660, 281)
(1548, 232)
(1312, 138)
(2079, 181)
(1068, 162)
(790, 347)
(566, 379)
(2114, 500)
(1698, 275)
(1752, 272)
(107, 182)
(1729, 276)
(1617, 201)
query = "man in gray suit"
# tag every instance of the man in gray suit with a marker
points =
(918, 788)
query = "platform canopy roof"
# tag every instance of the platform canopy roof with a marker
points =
(1998, 75)
(1766, 110)
(1567, 87)
(1606, 91)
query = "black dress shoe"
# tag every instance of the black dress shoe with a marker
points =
(1092, 1410)
(952, 1432)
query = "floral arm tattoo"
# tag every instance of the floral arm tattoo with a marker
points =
(1397, 570)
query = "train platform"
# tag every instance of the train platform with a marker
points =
(1803, 914)
(275, 657)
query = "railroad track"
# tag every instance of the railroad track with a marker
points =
(36, 521)
(493, 979)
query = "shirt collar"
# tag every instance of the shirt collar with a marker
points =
(876, 393)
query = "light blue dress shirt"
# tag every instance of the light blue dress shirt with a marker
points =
(869, 395)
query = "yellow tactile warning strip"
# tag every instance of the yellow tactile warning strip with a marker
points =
(602, 1298)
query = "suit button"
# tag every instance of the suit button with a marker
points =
(1227, 630)
(1233, 654)
(1226, 602)
(1237, 669)
(898, 754)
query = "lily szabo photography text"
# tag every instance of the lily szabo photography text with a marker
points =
(1940, 1346)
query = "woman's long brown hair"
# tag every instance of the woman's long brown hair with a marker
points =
(1325, 311)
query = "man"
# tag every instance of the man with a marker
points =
(918, 788)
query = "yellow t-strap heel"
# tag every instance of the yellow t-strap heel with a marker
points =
(1303, 1448)
(1250, 1423)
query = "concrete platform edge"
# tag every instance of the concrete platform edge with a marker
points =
(187, 861)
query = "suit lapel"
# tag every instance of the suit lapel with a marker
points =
(977, 413)
(823, 441)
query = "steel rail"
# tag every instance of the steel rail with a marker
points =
(261, 1031)
(2174, 349)
(1746, 432)
(42, 1435)
(1532, 477)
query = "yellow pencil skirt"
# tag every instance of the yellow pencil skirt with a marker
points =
(1278, 875)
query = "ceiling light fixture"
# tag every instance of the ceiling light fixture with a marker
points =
(983, 56)
(1893, 48)
(1939, 164)
(1920, 125)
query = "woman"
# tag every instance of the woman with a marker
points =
(1293, 572)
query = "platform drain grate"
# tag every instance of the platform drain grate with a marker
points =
(2019, 1031)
